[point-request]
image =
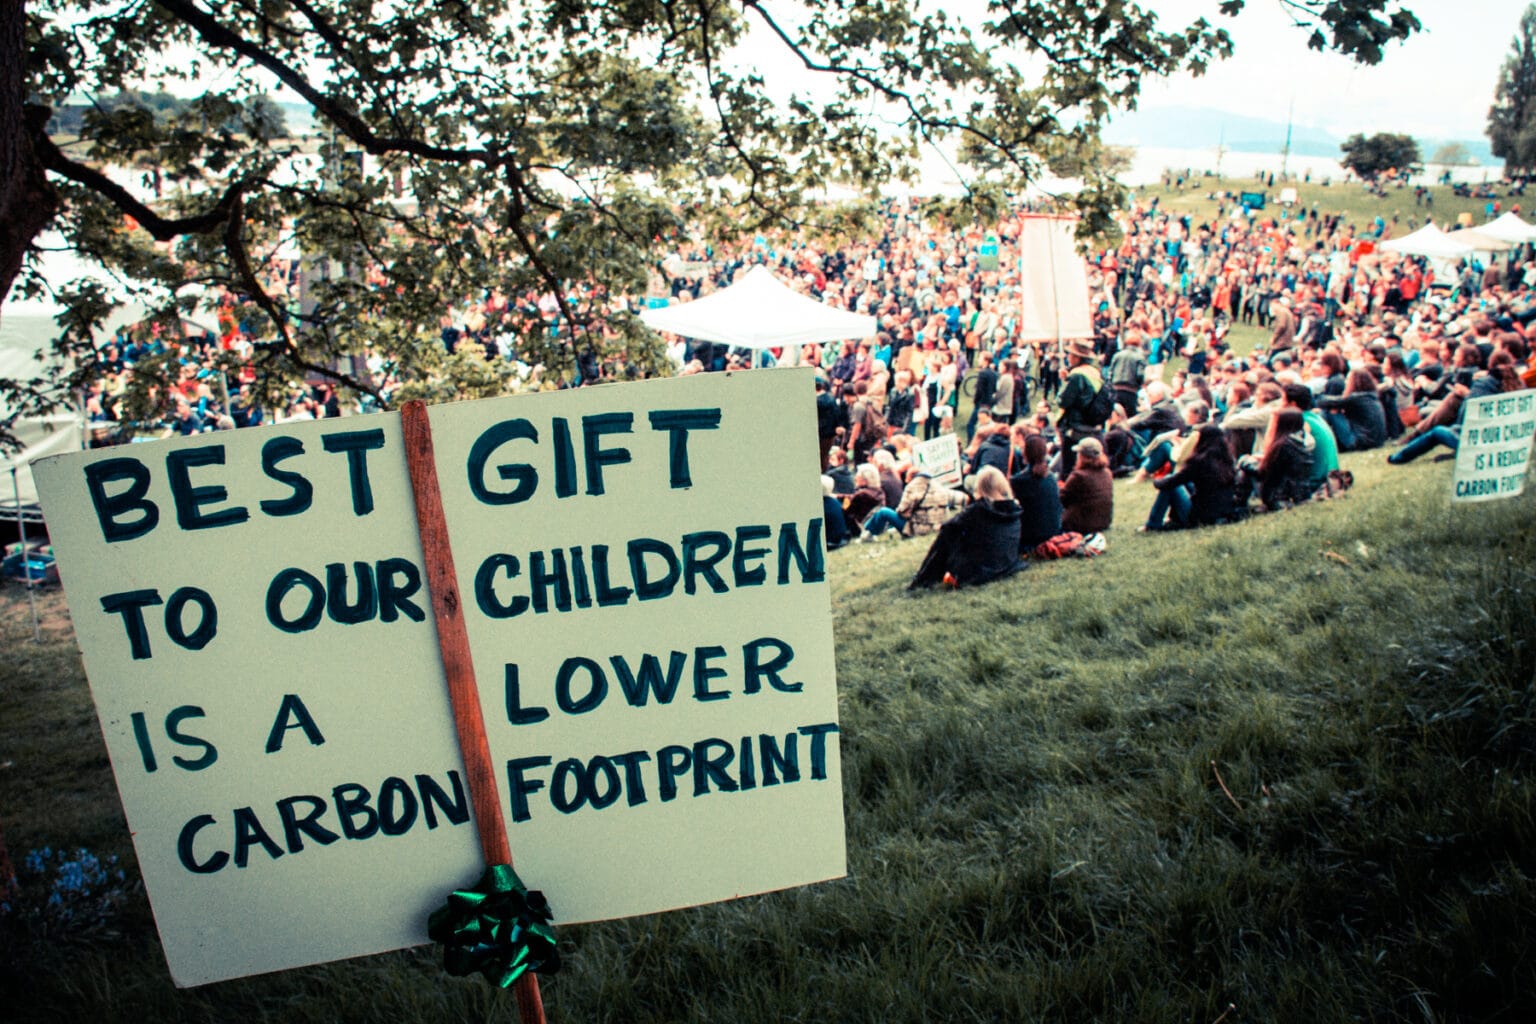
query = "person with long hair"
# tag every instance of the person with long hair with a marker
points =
(1357, 419)
(1209, 477)
(1284, 472)
(1501, 376)
(1038, 493)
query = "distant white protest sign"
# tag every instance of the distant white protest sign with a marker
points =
(1495, 448)
(939, 457)
(644, 593)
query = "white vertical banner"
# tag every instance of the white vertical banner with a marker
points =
(1053, 283)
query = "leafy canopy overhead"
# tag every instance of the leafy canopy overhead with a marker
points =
(545, 147)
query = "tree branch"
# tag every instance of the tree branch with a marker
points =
(890, 92)
(162, 229)
(350, 124)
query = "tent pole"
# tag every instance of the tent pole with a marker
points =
(26, 569)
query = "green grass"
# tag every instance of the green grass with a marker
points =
(1283, 765)
(1352, 200)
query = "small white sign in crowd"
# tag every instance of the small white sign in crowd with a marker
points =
(649, 622)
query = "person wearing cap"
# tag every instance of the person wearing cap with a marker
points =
(1084, 379)
(1088, 494)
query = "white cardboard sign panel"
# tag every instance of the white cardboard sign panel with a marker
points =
(1495, 447)
(939, 457)
(643, 587)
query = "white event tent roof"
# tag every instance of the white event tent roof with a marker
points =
(1510, 228)
(1428, 241)
(759, 311)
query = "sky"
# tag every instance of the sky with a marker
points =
(1439, 84)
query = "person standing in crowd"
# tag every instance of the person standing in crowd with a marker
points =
(1128, 371)
(1076, 419)
(1003, 409)
(828, 416)
(901, 404)
(1283, 337)
(986, 390)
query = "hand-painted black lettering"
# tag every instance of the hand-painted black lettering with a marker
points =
(357, 444)
(525, 478)
(110, 508)
(292, 714)
(189, 500)
(273, 453)
(677, 422)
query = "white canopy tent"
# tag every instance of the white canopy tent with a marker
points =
(758, 311)
(1481, 241)
(1429, 241)
(1510, 228)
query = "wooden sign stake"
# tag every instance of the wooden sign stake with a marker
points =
(453, 645)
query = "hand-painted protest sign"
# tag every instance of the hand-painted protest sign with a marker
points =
(644, 593)
(939, 457)
(1495, 447)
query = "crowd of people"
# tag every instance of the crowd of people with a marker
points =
(1362, 348)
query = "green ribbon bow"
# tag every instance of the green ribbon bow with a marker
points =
(498, 928)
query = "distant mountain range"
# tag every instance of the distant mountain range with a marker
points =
(1197, 128)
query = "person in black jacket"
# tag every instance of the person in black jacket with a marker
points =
(1356, 416)
(1038, 493)
(1284, 472)
(1209, 477)
(1084, 381)
(980, 544)
(986, 390)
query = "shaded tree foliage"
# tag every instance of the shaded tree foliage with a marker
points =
(1376, 154)
(539, 147)
(1512, 118)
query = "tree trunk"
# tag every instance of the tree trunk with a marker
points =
(28, 201)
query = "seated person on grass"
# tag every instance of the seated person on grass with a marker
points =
(924, 507)
(1358, 421)
(1204, 488)
(1038, 493)
(834, 523)
(1088, 493)
(1500, 376)
(978, 545)
(867, 496)
(1283, 474)
(1168, 452)
(1325, 450)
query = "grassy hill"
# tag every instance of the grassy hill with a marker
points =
(1279, 766)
